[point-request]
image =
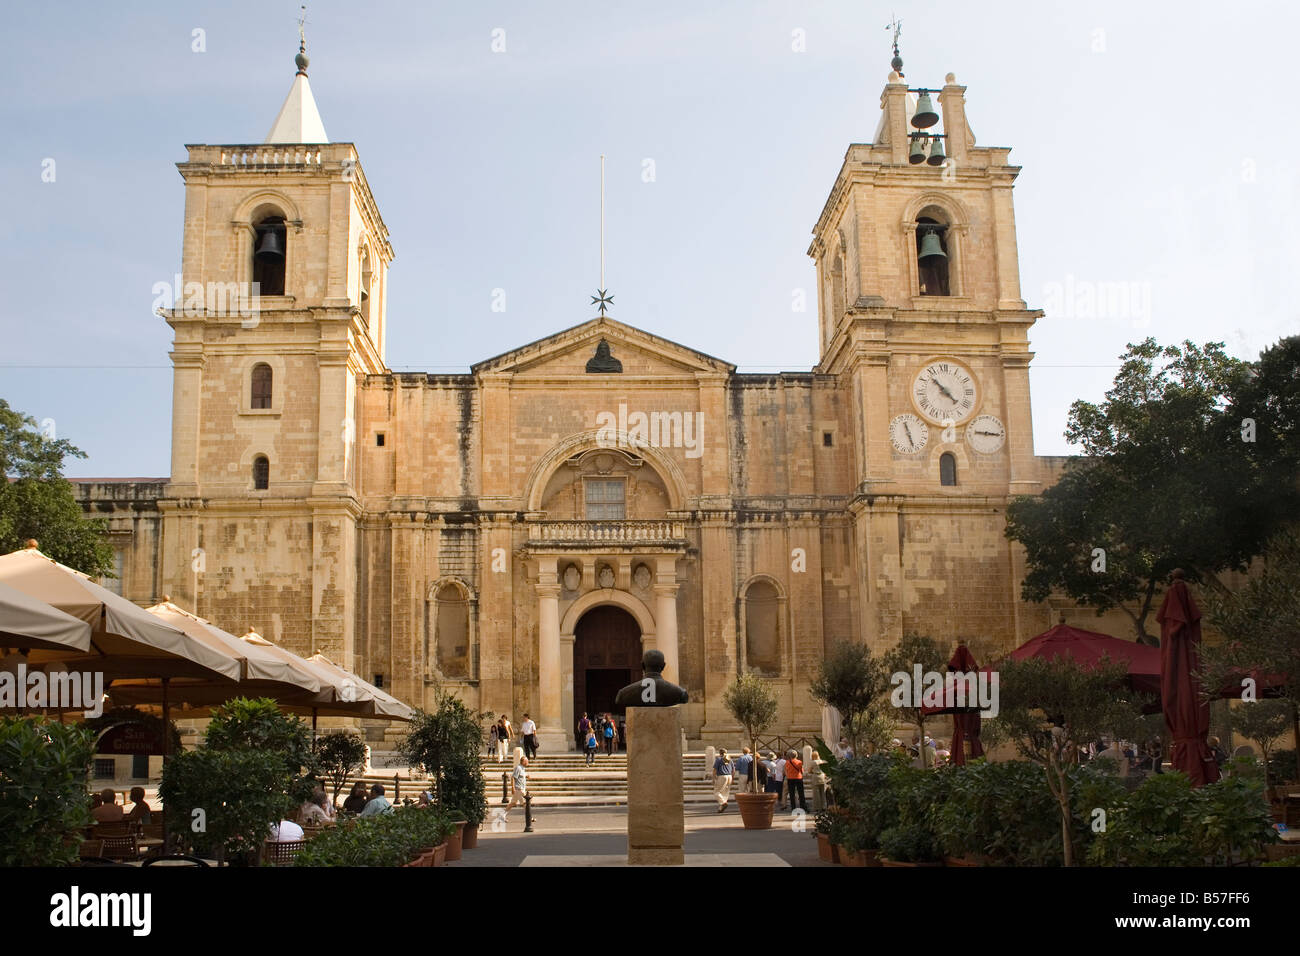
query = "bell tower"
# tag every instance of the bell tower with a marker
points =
(922, 323)
(279, 315)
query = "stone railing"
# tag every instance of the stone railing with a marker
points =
(271, 154)
(606, 532)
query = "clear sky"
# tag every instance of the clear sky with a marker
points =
(1156, 147)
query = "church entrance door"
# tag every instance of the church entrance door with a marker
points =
(606, 658)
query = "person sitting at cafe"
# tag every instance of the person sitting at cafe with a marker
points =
(110, 811)
(286, 831)
(378, 804)
(314, 812)
(357, 800)
(141, 812)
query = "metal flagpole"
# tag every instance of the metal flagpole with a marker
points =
(602, 220)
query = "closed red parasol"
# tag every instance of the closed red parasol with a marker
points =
(1187, 716)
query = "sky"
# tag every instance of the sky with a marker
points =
(1157, 159)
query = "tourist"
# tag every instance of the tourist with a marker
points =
(519, 782)
(776, 779)
(492, 741)
(844, 751)
(589, 746)
(96, 800)
(378, 804)
(1220, 755)
(723, 772)
(504, 736)
(584, 725)
(794, 780)
(314, 812)
(357, 800)
(528, 730)
(109, 811)
(611, 735)
(743, 764)
(286, 831)
(140, 811)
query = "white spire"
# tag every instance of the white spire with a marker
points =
(299, 120)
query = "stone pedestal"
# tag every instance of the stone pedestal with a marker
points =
(656, 822)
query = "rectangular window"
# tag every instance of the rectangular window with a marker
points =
(827, 439)
(606, 499)
(379, 440)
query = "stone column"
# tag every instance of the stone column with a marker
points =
(548, 652)
(666, 616)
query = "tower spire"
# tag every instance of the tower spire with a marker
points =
(299, 120)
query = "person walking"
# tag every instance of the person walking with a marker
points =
(794, 780)
(584, 725)
(504, 735)
(611, 735)
(589, 746)
(723, 772)
(528, 730)
(776, 778)
(743, 764)
(519, 785)
(492, 741)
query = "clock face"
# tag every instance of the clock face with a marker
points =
(943, 391)
(908, 433)
(986, 434)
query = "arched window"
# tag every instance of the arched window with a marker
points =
(269, 253)
(932, 256)
(261, 473)
(763, 628)
(947, 469)
(451, 632)
(261, 386)
(366, 275)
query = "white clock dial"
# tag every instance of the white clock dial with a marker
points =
(908, 433)
(986, 434)
(944, 391)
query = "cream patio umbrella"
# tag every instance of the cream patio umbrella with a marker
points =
(379, 703)
(27, 622)
(284, 678)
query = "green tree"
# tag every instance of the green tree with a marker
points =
(1263, 721)
(257, 725)
(445, 743)
(36, 501)
(44, 802)
(753, 705)
(338, 754)
(852, 681)
(912, 650)
(1051, 708)
(1167, 479)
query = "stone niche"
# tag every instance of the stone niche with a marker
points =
(605, 484)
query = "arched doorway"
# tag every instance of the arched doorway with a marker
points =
(606, 658)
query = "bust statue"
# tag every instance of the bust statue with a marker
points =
(602, 361)
(652, 690)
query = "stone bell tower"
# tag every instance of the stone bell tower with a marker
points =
(279, 313)
(922, 322)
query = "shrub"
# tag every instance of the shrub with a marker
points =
(258, 725)
(864, 791)
(338, 754)
(390, 840)
(224, 802)
(444, 743)
(44, 801)
(909, 843)
(1282, 766)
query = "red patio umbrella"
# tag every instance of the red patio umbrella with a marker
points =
(1087, 648)
(965, 721)
(1186, 716)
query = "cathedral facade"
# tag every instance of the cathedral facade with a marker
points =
(521, 532)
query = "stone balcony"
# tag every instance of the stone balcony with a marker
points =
(606, 535)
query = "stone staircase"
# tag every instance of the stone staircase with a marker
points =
(555, 780)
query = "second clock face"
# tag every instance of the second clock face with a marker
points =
(944, 390)
(908, 433)
(986, 434)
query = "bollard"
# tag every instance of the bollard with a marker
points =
(397, 789)
(505, 783)
(528, 813)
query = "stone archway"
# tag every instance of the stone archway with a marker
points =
(606, 658)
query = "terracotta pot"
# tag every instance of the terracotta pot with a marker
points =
(454, 841)
(885, 862)
(961, 861)
(756, 810)
(469, 837)
(824, 847)
(439, 855)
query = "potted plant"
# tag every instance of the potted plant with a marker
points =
(753, 706)
(444, 743)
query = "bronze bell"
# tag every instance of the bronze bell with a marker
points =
(925, 116)
(937, 157)
(270, 250)
(931, 248)
(917, 155)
